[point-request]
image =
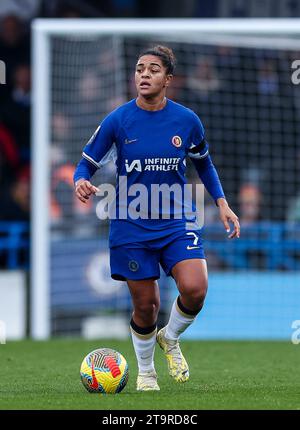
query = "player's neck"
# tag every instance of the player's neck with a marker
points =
(151, 104)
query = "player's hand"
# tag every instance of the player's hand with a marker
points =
(84, 189)
(227, 216)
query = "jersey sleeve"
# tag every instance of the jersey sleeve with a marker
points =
(198, 146)
(199, 153)
(101, 147)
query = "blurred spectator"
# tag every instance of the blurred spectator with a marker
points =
(115, 102)
(61, 185)
(15, 205)
(22, 85)
(203, 92)
(12, 32)
(204, 80)
(86, 108)
(15, 112)
(89, 88)
(9, 157)
(61, 129)
(268, 81)
(65, 208)
(249, 204)
(14, 44)
(176, 91)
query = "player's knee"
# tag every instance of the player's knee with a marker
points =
(147, 310)
(197, 297)
(195, 292)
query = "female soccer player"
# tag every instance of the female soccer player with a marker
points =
(150, 137)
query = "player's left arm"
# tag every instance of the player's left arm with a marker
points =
(199, 155)
(227, 215)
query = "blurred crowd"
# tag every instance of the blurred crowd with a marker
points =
(15, 119)
(245, 99)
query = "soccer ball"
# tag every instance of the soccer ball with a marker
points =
(104, 370)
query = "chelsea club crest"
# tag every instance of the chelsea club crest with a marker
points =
(177, 141)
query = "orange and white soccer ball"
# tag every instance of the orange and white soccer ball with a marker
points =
(104, 370)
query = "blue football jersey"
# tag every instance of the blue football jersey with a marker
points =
(149, 149)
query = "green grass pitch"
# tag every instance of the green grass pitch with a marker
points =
(223, 375)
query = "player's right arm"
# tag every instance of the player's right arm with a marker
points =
(84, 189)
(96, 152)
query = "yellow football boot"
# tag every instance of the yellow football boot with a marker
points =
(177, 365)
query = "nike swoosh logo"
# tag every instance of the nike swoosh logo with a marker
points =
(95, 383)
(192, 247)
(130, 141)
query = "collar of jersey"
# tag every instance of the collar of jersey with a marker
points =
(151, 112)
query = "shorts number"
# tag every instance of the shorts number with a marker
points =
(196, 237)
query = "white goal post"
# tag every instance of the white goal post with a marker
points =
(267, 33)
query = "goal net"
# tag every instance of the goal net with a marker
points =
(237, 76)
